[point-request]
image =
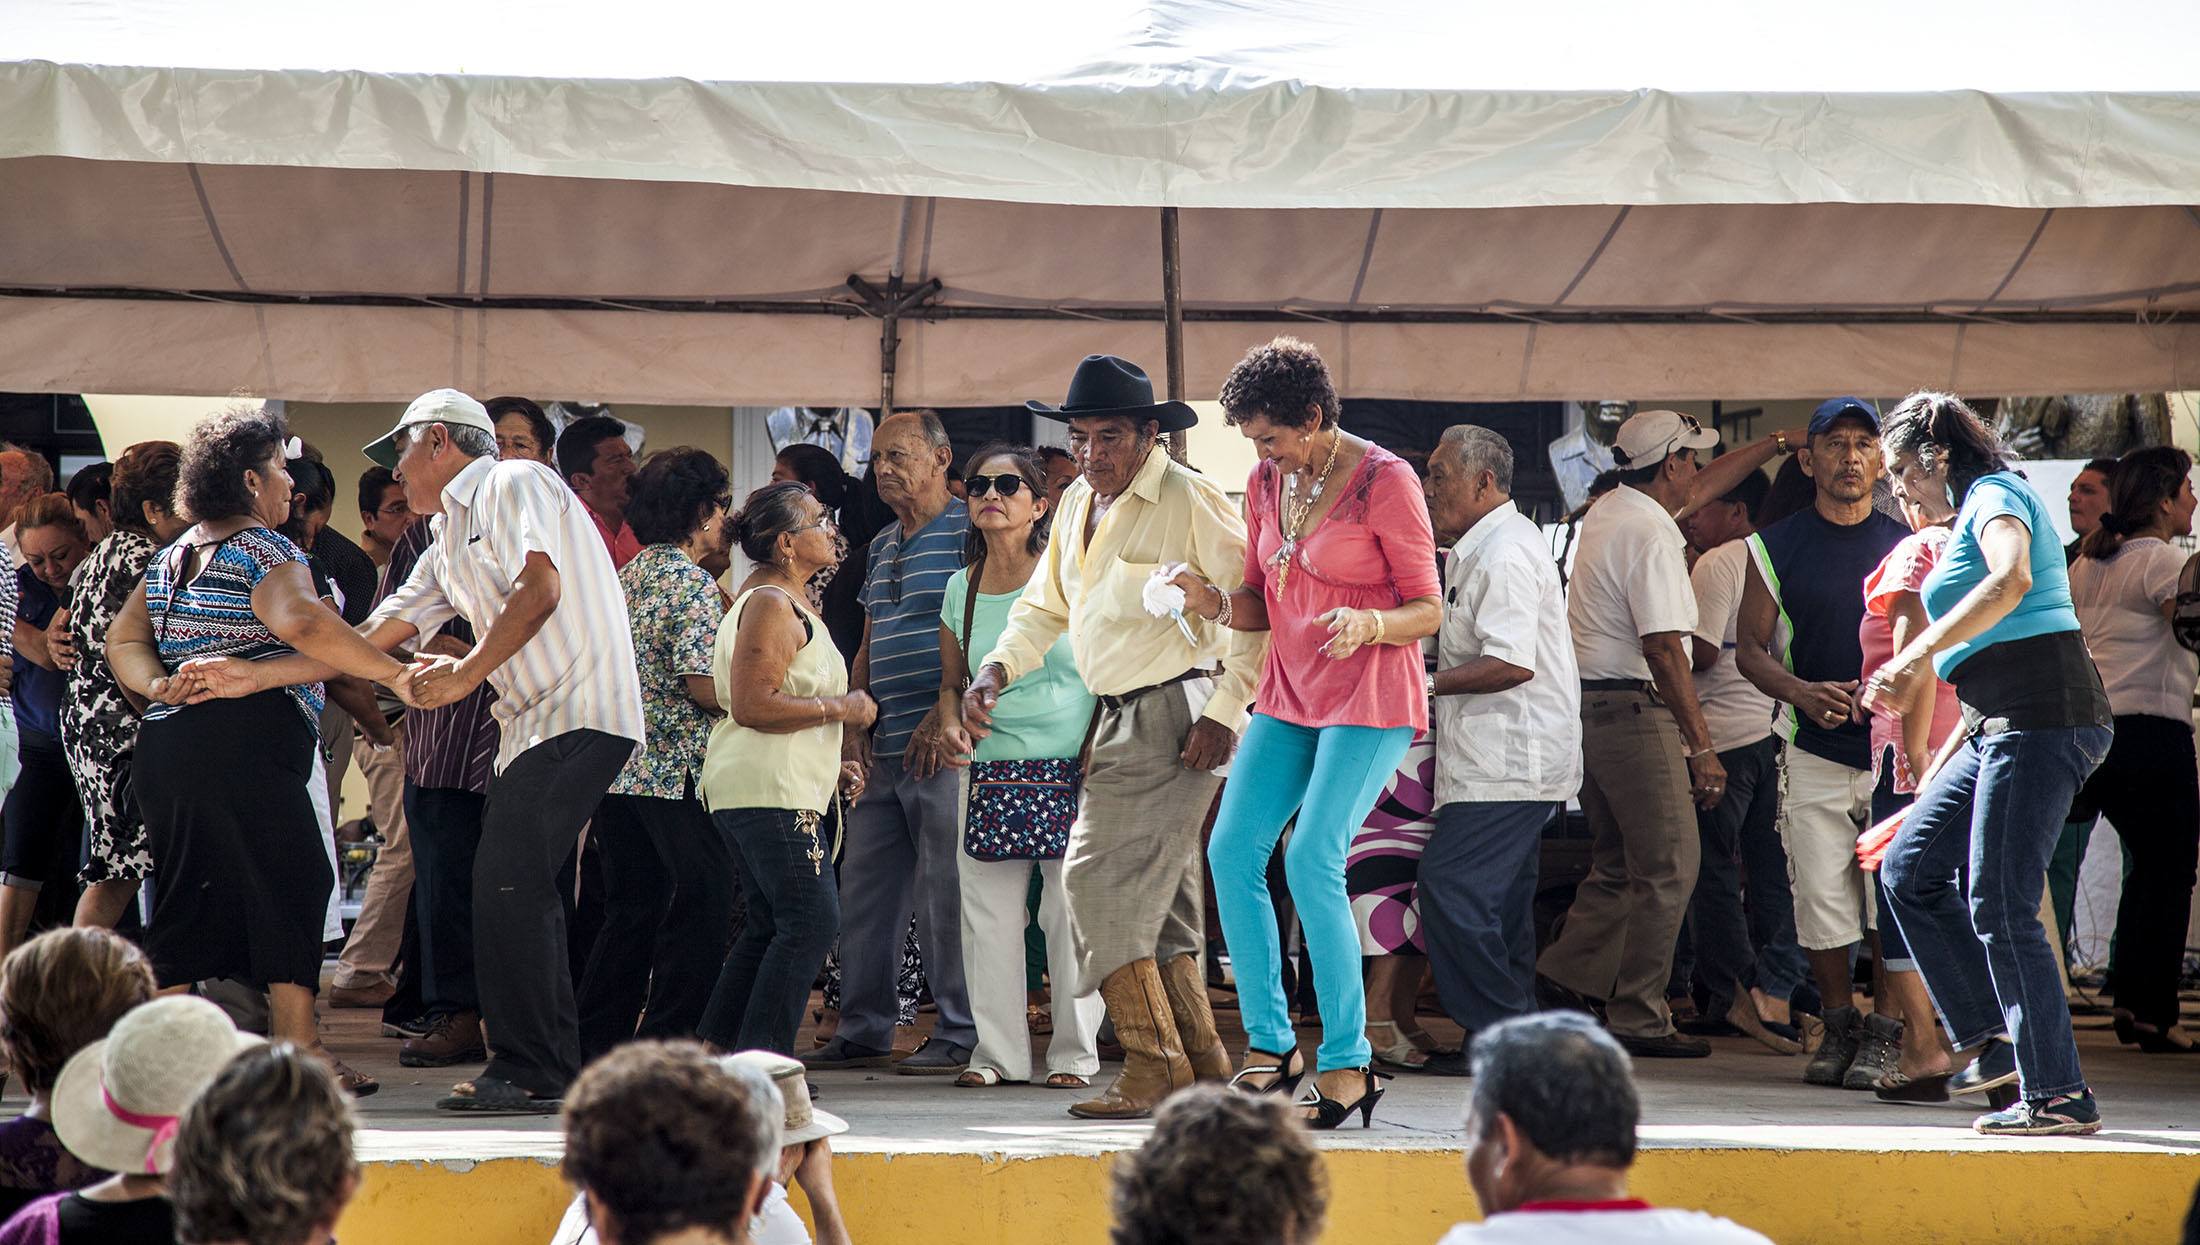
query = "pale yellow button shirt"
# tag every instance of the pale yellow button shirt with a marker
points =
(1170, 513)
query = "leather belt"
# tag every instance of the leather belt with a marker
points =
(1116, 703)
(1617, 685)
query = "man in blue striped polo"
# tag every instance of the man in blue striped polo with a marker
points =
(903, 834)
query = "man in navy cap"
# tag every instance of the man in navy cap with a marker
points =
(1806, 580)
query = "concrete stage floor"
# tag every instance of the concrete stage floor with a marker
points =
(1738, 1134)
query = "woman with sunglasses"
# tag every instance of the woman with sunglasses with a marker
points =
(671, 887)
(1022, 793)
(227, 644)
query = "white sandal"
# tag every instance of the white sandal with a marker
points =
(1401, 1053)
(978, 1078)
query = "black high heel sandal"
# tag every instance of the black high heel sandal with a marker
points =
(1286, 1080)
(1329, 1113)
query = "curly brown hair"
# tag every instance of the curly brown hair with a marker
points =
(1285, 381)
(221, 448)
(264, 1154)
(62, 991)
(667, 1139)
(146, 472)
(1221, 1166)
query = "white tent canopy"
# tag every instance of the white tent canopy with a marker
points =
(663, 201)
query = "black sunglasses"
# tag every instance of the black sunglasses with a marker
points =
(1006, 484)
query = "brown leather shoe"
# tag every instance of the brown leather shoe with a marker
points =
(1195, 1019)
(361, 996)
(451, 1038)
(1153, 1061)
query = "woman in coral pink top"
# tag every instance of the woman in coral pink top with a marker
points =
(1340, 569)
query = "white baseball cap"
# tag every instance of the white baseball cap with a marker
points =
(1647, 438)
(437, 406)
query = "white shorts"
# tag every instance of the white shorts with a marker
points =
(1824, 805)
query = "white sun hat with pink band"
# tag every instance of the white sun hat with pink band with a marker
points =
(117, 1101)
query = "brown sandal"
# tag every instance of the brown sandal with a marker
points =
(354, 1082)
(1038, 1019)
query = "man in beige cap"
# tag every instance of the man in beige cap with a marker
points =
(1647, 754)
(516, 555)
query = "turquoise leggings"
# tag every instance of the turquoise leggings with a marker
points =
(1330, 777)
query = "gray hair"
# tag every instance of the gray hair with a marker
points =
(471, 441)
(1563, 1081)
(929, 423)
(1480, 450)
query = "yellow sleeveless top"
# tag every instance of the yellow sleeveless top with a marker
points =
(746, 768)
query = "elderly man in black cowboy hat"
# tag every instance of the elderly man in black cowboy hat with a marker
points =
(1168, 718)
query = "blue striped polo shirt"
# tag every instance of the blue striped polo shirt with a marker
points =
(906, 582)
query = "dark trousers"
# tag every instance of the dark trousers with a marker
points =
(445, 824)
(671, 889)
(45, 831)
(1477, 893)
(1728, 943)
(2148, 791)
(529, 824)
(793, 915)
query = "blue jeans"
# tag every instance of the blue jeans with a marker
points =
(1330, 776)
(1965, 877)
(1730, 944)
(793, 915)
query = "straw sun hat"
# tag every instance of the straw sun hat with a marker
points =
(803, 1122)
(118, 1100)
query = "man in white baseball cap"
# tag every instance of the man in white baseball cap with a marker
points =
(448, 407)
(1647, 754)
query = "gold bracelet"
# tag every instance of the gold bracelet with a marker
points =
(1378, 626)
(1781, 439)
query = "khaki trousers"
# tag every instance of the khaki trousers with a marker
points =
(371, 951)
(1619, 937)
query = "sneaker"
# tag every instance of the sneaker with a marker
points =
(935, 1058)
(1670, 1046)
(2066, 1115)
(1880, 1051)
(1829, 1065)
(842, 1053)
(414, 1027)
(1995, 1067)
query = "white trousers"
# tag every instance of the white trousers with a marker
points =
(993, 918)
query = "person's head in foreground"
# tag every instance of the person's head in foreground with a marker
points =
(1221, 1166)
(59, 992)
(1550, 1136)
(668, 1146)
(264, 1156)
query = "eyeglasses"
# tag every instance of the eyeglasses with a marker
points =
(1007, 484)
(395, 508)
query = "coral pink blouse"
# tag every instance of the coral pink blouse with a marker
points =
(1373, 550)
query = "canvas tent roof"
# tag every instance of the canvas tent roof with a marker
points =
(663, 200)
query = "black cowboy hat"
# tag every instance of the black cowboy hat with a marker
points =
(1105, 385)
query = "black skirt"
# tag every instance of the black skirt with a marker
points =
(241, 879)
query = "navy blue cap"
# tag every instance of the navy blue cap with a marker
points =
(1834, 408)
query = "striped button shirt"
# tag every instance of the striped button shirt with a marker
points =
(578, 671)
(453, 747)
(902, 594)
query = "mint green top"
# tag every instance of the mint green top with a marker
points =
(1043, 714)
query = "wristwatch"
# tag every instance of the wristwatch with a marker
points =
(1430, 684)
(1781, 439)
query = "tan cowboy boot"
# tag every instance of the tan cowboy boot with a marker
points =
(1153, 1062)
(1195, 1019)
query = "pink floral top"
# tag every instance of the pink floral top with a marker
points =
(1903, 570)
(1373, 550)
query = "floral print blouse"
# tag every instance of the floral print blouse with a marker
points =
(675, 609)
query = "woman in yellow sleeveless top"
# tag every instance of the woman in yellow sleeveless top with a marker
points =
(773, 766)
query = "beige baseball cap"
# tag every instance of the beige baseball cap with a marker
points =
(1645, 439)
(437, 406)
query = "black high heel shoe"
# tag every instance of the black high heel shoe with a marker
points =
(1329, 1113)
(1286, 1080)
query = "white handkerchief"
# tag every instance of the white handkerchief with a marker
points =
(1160, 597)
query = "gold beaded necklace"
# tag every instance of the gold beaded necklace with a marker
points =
(1294, 515)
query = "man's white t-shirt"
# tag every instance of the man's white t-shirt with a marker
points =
(1737, 713)
(1610, 1223)
(1630, 580)
(2119, 604)
(776, 1225)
